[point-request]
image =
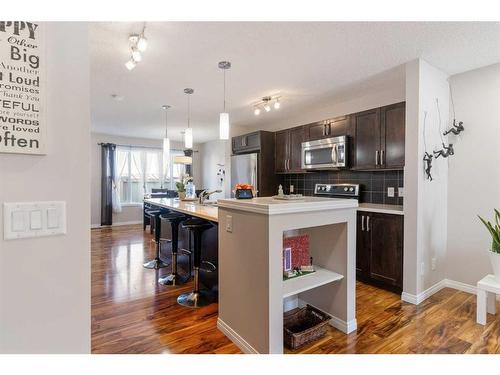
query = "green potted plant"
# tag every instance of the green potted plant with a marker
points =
(494, 229)
(181, 189)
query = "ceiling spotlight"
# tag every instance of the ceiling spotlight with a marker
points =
(277, 104)
(136, 55)
(256, 111)
(267, 107)
(131, 64)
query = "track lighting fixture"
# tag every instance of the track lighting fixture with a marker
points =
(265, 103)
(137, 44)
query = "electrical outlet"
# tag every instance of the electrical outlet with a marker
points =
(291, 189)
(422, 269)
(229, 224)
(401, 192)
(433, 264)
(390, 192)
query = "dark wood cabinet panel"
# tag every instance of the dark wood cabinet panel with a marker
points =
(393, 135)
(379, 250)
(281, 142)
(338, 126)
(295, 149)
(246, 143)
(316, 130)
(362, 247)
(288, 149)
(366, 139)
(386, 256)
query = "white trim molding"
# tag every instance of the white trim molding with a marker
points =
(342, 325)
(235, 338)
(94, 226)
(445, 283)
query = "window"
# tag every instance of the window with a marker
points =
(139, 170)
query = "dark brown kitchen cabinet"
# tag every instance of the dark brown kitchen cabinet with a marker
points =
(379, 250)
(326, 129)
(246, 143)
(392, 119)
(366, 139)
(379, 138)
(288, 148)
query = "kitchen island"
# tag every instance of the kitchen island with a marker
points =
(252, 293)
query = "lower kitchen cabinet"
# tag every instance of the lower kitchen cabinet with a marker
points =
(379, 250)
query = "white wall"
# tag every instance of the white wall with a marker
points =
(213, 159)
(425, 202)
(474, 172)
(45, 282)
(129, 214)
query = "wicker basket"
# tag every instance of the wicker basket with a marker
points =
(304, 325)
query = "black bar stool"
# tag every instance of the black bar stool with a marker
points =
(149, 219)
(197, 297)
(157, 262)
(174, 278)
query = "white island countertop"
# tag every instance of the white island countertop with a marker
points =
(272, 206)
(381, 208)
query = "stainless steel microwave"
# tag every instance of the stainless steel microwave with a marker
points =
(325, 153)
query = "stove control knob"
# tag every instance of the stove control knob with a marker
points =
(345, 189)
(351, 189)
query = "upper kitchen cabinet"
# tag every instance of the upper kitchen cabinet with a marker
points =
(366, 139)
(326, 129)
(379, 138)
(392, 119)
(246, 143)
(288, 148)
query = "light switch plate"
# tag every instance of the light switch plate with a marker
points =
(401, 192)
(390, 192)
(33, 219)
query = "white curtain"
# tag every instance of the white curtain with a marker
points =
(116, 194)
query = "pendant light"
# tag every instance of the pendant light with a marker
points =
(166, 144)
(188, 135)
(224, 116)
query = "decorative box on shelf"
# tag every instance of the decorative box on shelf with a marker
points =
(296, 257)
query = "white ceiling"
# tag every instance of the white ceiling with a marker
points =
(304, 62)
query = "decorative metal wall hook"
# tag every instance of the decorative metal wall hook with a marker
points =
(455, 129)
(445, 151)
(428, 165)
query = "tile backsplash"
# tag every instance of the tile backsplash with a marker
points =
(372, 185)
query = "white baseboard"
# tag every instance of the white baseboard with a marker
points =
(419, 298)
(341, 325)
(94, 226)
(235, 338)
(445, 283)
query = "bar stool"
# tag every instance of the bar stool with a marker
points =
(174, 278)
(197, 297)
(157, 262)
(147, 215)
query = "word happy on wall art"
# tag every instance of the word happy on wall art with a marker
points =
(22, 87)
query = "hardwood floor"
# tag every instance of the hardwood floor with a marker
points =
(131, 313)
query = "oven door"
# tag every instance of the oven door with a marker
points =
(324, 153)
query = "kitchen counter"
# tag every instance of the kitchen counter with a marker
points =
(381, 208)
(272, 206)
(190, 208)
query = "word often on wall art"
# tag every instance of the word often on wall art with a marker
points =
(22, 87)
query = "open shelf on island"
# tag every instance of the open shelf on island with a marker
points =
(300, 284)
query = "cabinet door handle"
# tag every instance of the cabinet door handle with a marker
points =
(329, 128)
(324, 130)
(382, 157)
(376, 157)
(362, 223)
(368, 223)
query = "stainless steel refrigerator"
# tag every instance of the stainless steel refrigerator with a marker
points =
(244, 170)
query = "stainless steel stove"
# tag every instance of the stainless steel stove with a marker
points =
(337, 190)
